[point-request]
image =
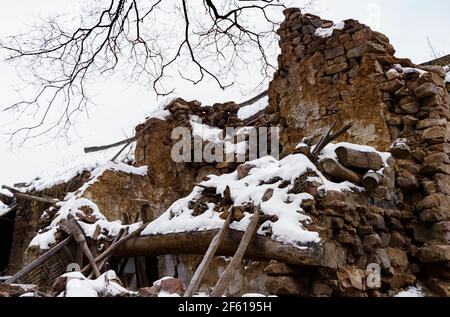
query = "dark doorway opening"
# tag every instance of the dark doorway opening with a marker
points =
(6, 239)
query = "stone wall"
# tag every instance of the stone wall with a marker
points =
(347, 72)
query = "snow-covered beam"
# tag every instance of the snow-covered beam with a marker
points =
(261, 248)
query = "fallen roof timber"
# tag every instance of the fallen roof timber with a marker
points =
(261, 248)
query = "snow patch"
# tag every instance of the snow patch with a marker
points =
(409, 70)
(327, 32)
(73, 204)
(248, 111)
(329, 151)
(105, 285)
(414, 291)
(6, 192)
(159, 114)
(4, 209)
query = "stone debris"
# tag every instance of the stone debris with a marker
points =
(364, 211)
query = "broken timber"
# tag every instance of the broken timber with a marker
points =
(329, 137)
(359, 159)
(24, 196)
(338, 171)
(201, 270)
(236, 261)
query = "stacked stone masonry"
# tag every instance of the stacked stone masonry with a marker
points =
(348, 72)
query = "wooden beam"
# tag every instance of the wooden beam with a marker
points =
(372, 180)
(21, 195)
(338, 171)
(236, 261)
(253, 100)
(260, 249)
(71, 225)
(113, 247)
(359, 159)
(105, 147)
(329, 137)
(201, 270)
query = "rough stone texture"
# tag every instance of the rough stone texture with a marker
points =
(127, 189)
(350, 76)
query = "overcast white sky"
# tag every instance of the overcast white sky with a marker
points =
(120, 105)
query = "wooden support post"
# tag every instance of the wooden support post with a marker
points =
(236, 261)
(201, 270)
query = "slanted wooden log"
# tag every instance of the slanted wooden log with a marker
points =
(105, 147)
(329, 137)
(24, 196)
(116, 245)
(236, 261)
(39, 261)
(372, 180)
(201, 270)
(359, 159)
(338, 171)
(72, 226)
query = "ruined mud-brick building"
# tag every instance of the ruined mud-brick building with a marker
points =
(328, 72)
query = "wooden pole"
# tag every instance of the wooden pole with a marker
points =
(113, 247)
(236, 261)
(21, 195)
(201, 270)
(91, 259)
(105, 147)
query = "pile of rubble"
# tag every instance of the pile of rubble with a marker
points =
(330, 217)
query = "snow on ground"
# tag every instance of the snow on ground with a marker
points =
(248, 111)
(286, 207)
(414, 291)
(327, 32)
(105, 285)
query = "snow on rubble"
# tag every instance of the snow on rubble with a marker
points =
(290, 226)
(74, 203)
(327, 32)
(106, 285)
